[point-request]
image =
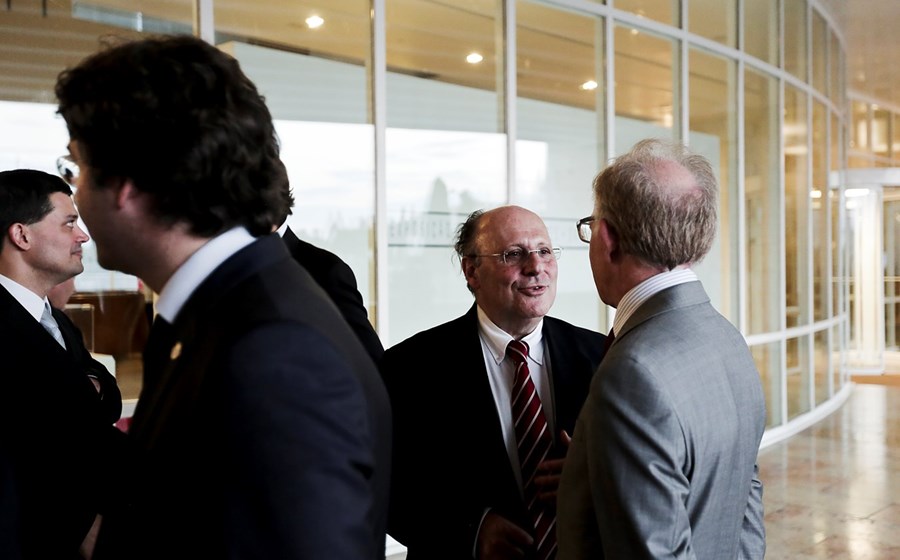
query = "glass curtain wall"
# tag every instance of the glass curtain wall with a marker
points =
(561, 138)
(487, 102)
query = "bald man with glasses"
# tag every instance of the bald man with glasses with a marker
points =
(470, 481)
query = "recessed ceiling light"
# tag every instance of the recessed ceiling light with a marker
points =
(589, 85)
(474, 58)
(314, 22)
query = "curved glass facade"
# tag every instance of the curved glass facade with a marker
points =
(399, 117)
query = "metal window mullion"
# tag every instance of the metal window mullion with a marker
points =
(204, 22)
(510, 85)
(810, 280)
(378, 100)
(782, 253)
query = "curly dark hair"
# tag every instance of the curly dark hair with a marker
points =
(179, 119)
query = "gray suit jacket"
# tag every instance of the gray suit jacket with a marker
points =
(663, 461)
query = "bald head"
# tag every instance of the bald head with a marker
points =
(660, 199)
(509, 264)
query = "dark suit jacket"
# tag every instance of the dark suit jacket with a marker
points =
(110, 395)
(58, 448)
(338, 281)
(450, 459)
(262, 429)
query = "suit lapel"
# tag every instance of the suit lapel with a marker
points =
(474, 382)
(26, 325)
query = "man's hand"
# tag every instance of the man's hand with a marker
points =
(501, 539)
(548, 473)
(86, 550)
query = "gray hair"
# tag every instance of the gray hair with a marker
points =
(659, 217)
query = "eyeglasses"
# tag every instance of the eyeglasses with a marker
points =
(518, 255)
(584, 228)
(68, 169)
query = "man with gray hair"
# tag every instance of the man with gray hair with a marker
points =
(663, 458)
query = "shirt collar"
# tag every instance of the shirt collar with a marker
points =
(33, 303)
(497, 339)
(198, 266)
(636, 296)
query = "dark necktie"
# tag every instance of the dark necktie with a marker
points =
(158, 348)
(534, 441)
(610, 338)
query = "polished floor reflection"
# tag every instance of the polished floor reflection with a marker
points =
(833, 490)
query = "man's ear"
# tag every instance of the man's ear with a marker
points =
(19, 235)
(125, 191)
(470, 271)
(610, 238)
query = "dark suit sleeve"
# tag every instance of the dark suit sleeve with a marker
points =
(110, 395)
(446, 468)
(9, 510)
(341, 287)
(299, 445)
(336, 277)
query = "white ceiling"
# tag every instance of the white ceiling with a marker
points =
(31, 56)
(872, 33)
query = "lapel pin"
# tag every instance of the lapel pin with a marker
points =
(176, 351)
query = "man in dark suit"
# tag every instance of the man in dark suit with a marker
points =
(460, 489)
(263, 427)
(663, 461)
(338, 281)
(57, 443)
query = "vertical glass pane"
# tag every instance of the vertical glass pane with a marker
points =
(761, 30)
(865, 244)
(881, 132)
(796, 208)
(836, 133)
(859, 115)
(560, 143)
(445, 149)
(713, 133)
(714, 19)
(664, 11)
(819, 51)
(795, 52)
(895, 136)
(835, 69)
(315, 79)
(761, 199)
(837, 365)
(798, 382)
(645, 73)
(822, 366)
(768, 361)
(821, 234)
(892, 268)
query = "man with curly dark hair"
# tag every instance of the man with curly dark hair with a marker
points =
(263, 428)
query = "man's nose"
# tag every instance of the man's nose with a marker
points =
(533, 263)
(82, 236)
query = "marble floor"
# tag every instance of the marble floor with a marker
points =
(833, 490)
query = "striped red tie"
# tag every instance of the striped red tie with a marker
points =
(534, 442)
